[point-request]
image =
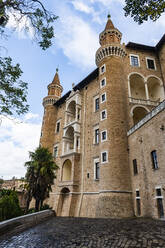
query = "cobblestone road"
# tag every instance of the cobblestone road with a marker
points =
(95, 233)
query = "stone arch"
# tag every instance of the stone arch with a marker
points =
(138, 113)
(71, 111)
(65, 190)
(67, 170)
(155, 88)
(135, 106)
(137, 86)
(137, 73)
(64, 203)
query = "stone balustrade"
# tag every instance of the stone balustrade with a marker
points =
(149, 116)
(143, 101)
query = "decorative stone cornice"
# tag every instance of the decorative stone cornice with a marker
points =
(49, 100)
(109, 50)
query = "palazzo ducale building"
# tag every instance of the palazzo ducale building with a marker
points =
(107, 134)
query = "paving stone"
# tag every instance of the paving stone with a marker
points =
(60, 232)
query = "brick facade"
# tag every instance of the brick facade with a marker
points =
(87, 130)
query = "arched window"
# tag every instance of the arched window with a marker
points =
(156, 92)
(138, 114)
(67, 170)
(70, 138)
(71, 112)
(137, 87)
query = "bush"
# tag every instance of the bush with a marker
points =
(9, 205)
(44, 207)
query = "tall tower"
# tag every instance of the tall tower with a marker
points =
(115, 197)
(50, 113)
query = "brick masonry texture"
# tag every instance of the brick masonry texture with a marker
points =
(131, 92)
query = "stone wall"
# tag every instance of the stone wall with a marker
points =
(150, 136)
(21, 223)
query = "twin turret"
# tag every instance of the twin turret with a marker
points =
(54, 91)
(109, 40)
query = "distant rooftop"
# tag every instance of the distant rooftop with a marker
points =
(147, 48)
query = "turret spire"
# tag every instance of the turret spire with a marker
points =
(56, 79)
(110, 35)
(55, 88)
(109, 24)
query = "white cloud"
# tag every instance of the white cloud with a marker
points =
(17, 138)
(107, 2)
(81, 6)
(21, 24)
(77, 39)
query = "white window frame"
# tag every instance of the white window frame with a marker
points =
(105, 115)
(101, 97)
(59, 121)
(53, 151)
(138, 197)
(96, 160)
(102, 137)
(104, 69)
(134, 55)
(158, 196)
(150, 58)
(95, 128)
(94, 103)
(104, 162)
(102, 86)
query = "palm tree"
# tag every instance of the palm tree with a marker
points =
(40, 176)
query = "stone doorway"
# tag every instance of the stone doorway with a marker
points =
(64, 202)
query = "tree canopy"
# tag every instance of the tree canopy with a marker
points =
(38, 22)
(40, 175)
(142, 10)
(9, 205)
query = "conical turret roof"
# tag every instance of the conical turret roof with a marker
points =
(109, 24)
(56, 79)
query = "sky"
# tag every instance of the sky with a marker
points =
(73, 52)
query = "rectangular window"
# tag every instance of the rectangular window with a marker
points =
(104, 157)
(102, 82)
(58, 127)
(150, 63)
(102, 69)
(104, 135)
(135, 169)
(103, 115)
(103, 97)
(154, 160)
(138, 203)
(55, 152)
(96, 104)
(96, 136)
(158, 192)
(137, 193)
(97, 171)
(159, 199)
(134, 60)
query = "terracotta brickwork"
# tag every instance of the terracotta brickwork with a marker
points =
(87, 130)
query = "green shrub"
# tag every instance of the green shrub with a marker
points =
(44, 207)
(9, 205)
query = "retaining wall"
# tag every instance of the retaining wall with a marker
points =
(21, 223)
